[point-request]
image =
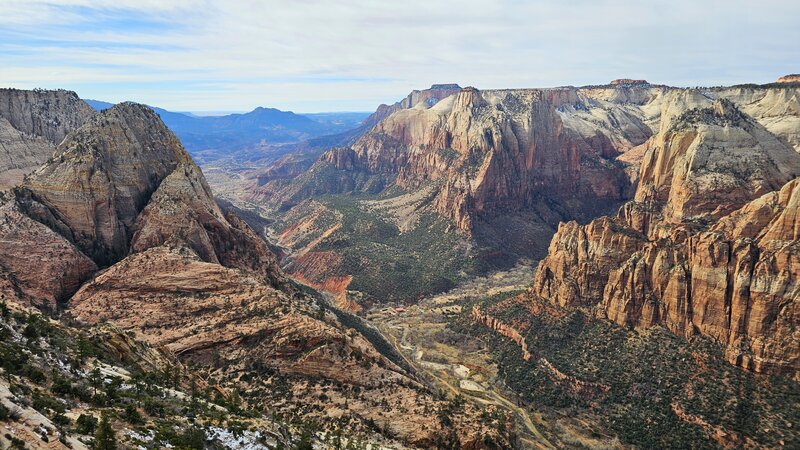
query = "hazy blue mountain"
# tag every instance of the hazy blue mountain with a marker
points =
(257, 128)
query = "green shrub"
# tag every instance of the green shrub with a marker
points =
(132, 415)
(62, 420)
(86, 424)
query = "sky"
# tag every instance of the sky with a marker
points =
(351, 55)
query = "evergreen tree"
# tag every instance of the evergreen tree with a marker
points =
(104, 438)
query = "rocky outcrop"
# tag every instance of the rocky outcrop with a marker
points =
(708, 246)
(710, 162)
(495, 151)
(102, 178)
(791, 78)
(32, 123)
(120, 184)
(215, 316)
(576, 149)
(319, 269)
(620, 81)
(47, 114)
(426, 97)
(183, 209)
(194, 307)
(123, 183)
(20, 154)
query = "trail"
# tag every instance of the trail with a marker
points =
(495, 398)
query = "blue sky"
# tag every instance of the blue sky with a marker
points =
(312, 55)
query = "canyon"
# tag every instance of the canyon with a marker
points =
(124, 229)
(368, 281)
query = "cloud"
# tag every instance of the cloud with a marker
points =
(313, 55)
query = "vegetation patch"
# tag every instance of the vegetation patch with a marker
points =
(653, 389)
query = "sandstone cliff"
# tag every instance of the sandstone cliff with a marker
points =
(48, 114)
(183, 209)
(708, 245)
(428, 97)
(102, 178)
(123, 183)
(38, 266)
(505, 167)
(619, 81)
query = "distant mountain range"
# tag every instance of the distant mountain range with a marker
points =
(260, 127)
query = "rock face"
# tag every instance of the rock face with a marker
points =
(428, 97)
(48, 114)
(709, 244)
(184, 309)
(60, 268)
(20, 154)
(103, 177)
(183, 208)
(212, 315)
(32, 123)
(503, 329)
(490, 152)
(505, 167)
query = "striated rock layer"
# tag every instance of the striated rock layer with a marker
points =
(709, 245)
(48, 114)
(103, 177)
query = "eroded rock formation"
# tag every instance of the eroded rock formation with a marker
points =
(575, 150)
(709, 244)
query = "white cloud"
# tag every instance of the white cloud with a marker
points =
(313, 54)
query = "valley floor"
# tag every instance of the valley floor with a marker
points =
(465, 367)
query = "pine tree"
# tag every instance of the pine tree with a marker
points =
(104, 438)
